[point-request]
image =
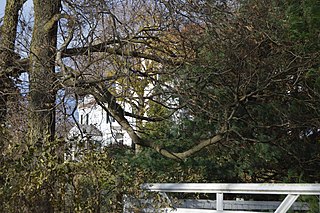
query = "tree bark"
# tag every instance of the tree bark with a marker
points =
(41, 127)
(7, 58)
(42, 71)
(8, 33)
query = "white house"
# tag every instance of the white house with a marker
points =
(98, 125)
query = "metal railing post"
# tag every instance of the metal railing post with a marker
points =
(219, 201)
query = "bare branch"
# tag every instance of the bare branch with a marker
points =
(105, 47)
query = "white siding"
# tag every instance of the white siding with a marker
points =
(91, 113)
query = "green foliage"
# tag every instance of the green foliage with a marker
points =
(38, 177)
(257, 75)
(304, 20)
(165, 170)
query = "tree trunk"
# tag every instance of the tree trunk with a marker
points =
(7, 40)
(7, 57)
(42, 71)
(42, 89)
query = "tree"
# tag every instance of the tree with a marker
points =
(8, 59)
(253, 82)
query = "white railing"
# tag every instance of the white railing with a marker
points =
(293, 191)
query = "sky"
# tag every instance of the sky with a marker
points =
(2, 6)
(27, 6)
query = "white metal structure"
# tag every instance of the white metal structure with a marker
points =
(293, 191)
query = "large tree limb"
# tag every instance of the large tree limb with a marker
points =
(108, 102)
(23, 64)
(106, 47)
(188, 153)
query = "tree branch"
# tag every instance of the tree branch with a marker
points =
(48, 26)
(104, 47)
(65, 43)
(102, 95)
(151, 119)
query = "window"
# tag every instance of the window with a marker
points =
(107, 118)
(81, 119)
(87, 119)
